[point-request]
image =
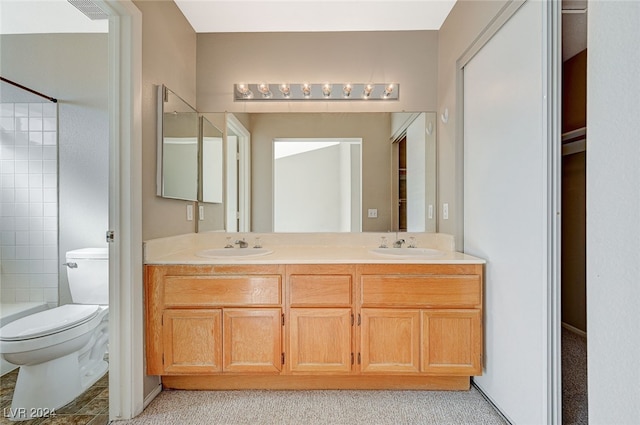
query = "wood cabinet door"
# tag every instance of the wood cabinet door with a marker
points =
(252, 340)
(390, 340)
(452, 342)
(192, 340)
(320, 340)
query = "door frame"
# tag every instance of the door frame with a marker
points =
(244, 171)
(126, 352)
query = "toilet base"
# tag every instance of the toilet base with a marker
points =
(43, 388)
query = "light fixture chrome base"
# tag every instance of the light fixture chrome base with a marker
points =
(245, 92)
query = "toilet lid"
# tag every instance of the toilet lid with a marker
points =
(48, 322)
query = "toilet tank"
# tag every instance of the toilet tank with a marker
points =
(88, 274)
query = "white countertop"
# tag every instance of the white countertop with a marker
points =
(301, 249)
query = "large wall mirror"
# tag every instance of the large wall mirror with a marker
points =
(177, 163)
(397, 154)
(235, 182)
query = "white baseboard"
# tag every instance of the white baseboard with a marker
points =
(574, 329)
(153, 394)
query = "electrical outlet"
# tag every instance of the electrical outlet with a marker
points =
(200, 212)
(445, 211)
(189, 212)
(372, 213)
(430, 215)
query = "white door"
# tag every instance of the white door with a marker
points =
(508, 196)
(232, 183)
(238, 176)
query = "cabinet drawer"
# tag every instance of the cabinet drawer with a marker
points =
(182, 291)
(421, 290)
(320, 290)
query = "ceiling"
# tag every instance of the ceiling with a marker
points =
(58, 16)
(313, 15)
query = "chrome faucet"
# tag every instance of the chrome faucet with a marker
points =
(398, 243)
(242, 243)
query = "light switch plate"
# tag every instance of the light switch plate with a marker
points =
(445, 211)
(189, 212)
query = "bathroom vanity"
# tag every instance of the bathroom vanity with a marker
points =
(313, 317)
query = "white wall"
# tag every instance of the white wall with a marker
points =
(29, 198)
(505, 210)
(311, 202)
(73, 69)
(613, 211)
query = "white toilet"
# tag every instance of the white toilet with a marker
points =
(61, 351)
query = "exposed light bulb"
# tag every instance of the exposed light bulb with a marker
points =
(306, 90)
(388, 90)
(285, 90)
(244, 90)
(368, 88)
(264, 89)
(346, 90)
(326, 90)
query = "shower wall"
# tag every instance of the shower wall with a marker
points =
(73, 68)
(29, 207)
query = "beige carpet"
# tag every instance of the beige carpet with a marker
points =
(318, 407)
(575, 409)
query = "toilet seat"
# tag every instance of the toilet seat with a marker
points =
(48, 322)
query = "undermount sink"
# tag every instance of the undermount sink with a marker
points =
(408, 252)
(233, 252)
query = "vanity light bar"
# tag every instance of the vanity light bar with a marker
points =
(245, 92)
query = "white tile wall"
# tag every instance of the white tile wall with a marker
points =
(29, 202)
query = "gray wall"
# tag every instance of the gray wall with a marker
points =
(73, 69)
(463, 25)
(613, 208)
(169, 58)
(406, 57)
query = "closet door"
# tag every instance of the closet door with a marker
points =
(509, 218)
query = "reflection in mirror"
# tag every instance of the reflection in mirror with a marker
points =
(249, 164)
(211, 215)
(324, 196)
(212, 163)
(380, 174)
(416, 171)
(177, 174)
(238, 175)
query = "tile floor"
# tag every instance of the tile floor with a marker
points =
(90, 408)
